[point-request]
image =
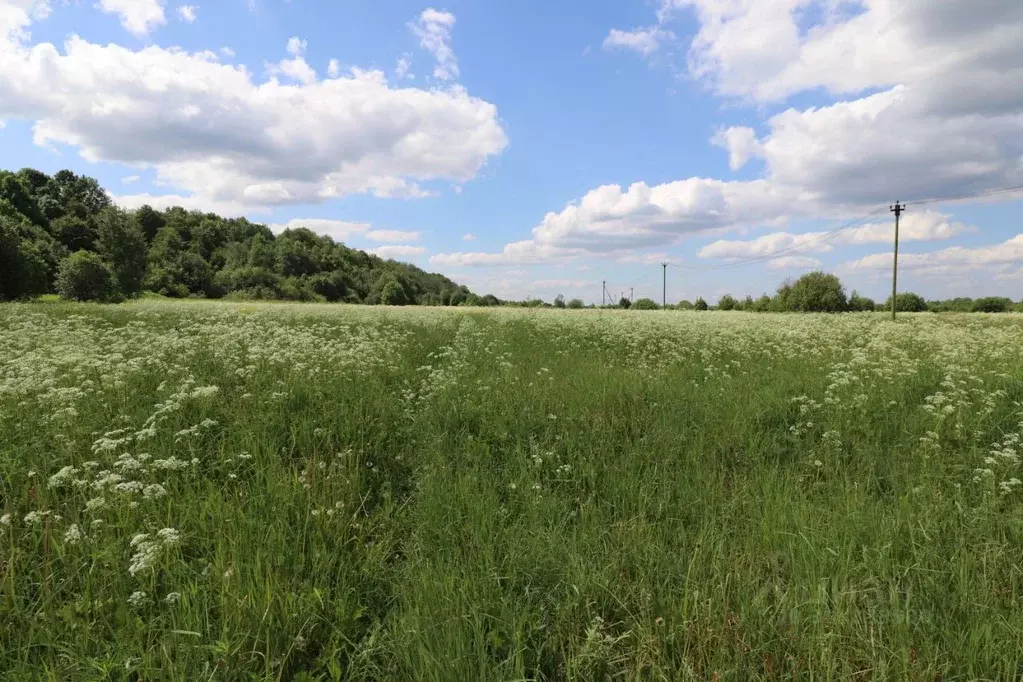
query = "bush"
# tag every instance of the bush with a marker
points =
(645, 304)
(393, 294)
(726, 302)
(332, 287)
(907, 303)
(684, 305)
(992, 304)
(816, 292)
(625, 303)
(762, 304)
(559, 301)
(700, 304)
(84, 276)
(576, 304)
(861, 304)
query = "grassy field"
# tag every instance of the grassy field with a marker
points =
(280, 492)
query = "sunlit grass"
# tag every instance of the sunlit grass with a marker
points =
(319, 492)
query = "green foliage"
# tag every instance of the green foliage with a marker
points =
(83, 276)
(816, 292)
(624, 303)
(189, 253)
(576, 304)
(992, 304)
(861, 304)
(726, 302)
(124, 246)
(645, 304)
(24, 271)
(559, 301)
(907, 303)
(700, 304)
(149, 221)
(684, 305)
(393, 294)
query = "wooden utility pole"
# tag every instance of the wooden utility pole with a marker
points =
(664, 286)
(897, 209)
(603, 290)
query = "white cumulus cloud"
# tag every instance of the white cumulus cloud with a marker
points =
(187, 12)
(138, 17)
(434, 32)
(392, 236)
(397, 251)
(645, 41)
(216, 136)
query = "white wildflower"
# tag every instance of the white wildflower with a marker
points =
(73, 535)
(138, 599)
(153, 490)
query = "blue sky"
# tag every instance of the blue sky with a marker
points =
(575, 142)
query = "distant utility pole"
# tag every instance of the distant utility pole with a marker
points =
(897, 209)
(603, 289)
(632, 294)
(664, 285)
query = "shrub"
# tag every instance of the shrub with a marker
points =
(907, 303)
(700, 304)
(726, 302)
(992, 304)
(624, 303)
(817, 292)
(576, 304)
(684, 305)
(331, 286)
(84, 276)
(861, 304)
(559, 301)
(393, 294)
(645, 304)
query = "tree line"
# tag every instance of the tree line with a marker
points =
(821, 292)
(62, 234)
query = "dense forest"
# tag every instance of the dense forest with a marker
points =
(62, 234)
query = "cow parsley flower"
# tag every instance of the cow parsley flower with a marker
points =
(73, 535)
(138, 599)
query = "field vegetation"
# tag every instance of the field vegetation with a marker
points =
(256, 491)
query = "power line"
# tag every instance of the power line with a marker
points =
(966, 195)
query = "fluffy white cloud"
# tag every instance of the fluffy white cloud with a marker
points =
(334, 68)
(338, 230)
(392, 236)
(434, 32)
(217, 137)
(397, 251)
(296, 46)
(130, 179)
(525, 252)
(138, 17)
(1008, 253)
(644, 258)
(227, 52)
(929, 114)
(645, 41)
(468, 237)
(924, 226)
(187, 12)
(403, 69)
(297, 67)
(793, 263)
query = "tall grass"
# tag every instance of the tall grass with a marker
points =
(310, 492)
